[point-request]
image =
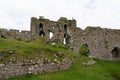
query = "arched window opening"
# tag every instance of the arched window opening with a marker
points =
(50, 35)
(65, 39)
(41, 32)
(65, 27)
(41, 26)
(115, 52)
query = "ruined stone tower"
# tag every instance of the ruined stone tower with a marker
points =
(102, 43)
(54, 31)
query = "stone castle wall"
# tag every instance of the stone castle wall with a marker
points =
(43, 27)
(102, 43)
(15, 34)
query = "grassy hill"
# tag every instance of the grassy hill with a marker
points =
(101, 70)
(30, 50)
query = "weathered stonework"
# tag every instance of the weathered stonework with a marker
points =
(15, 68)
(43, 27)
(102, 43)
(15, 34)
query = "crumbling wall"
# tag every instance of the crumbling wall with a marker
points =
(43, 27)
(25, 35)
(15, 68)
(100, 42)
(15, 34)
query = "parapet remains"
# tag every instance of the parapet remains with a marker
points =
(102, 43)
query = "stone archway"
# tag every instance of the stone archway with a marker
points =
(65, 27)
(116, 52)
(84, 50)
(51, 34)
(65, 38)
(41, 32)
(41, 26)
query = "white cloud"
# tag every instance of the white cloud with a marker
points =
(17, 13)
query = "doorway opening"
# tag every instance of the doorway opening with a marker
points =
(84, 50)
(65, 27)
(115, 52)
(65, 39)
(41, 32)
(50, 35)
(41, 26)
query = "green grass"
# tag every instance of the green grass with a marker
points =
(31, 50)
(101, 70)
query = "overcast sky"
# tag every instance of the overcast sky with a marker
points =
(16, 14)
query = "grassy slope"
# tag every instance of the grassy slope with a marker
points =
(30, 50)
(102, 70)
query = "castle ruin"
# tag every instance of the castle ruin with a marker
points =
(102, 43)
